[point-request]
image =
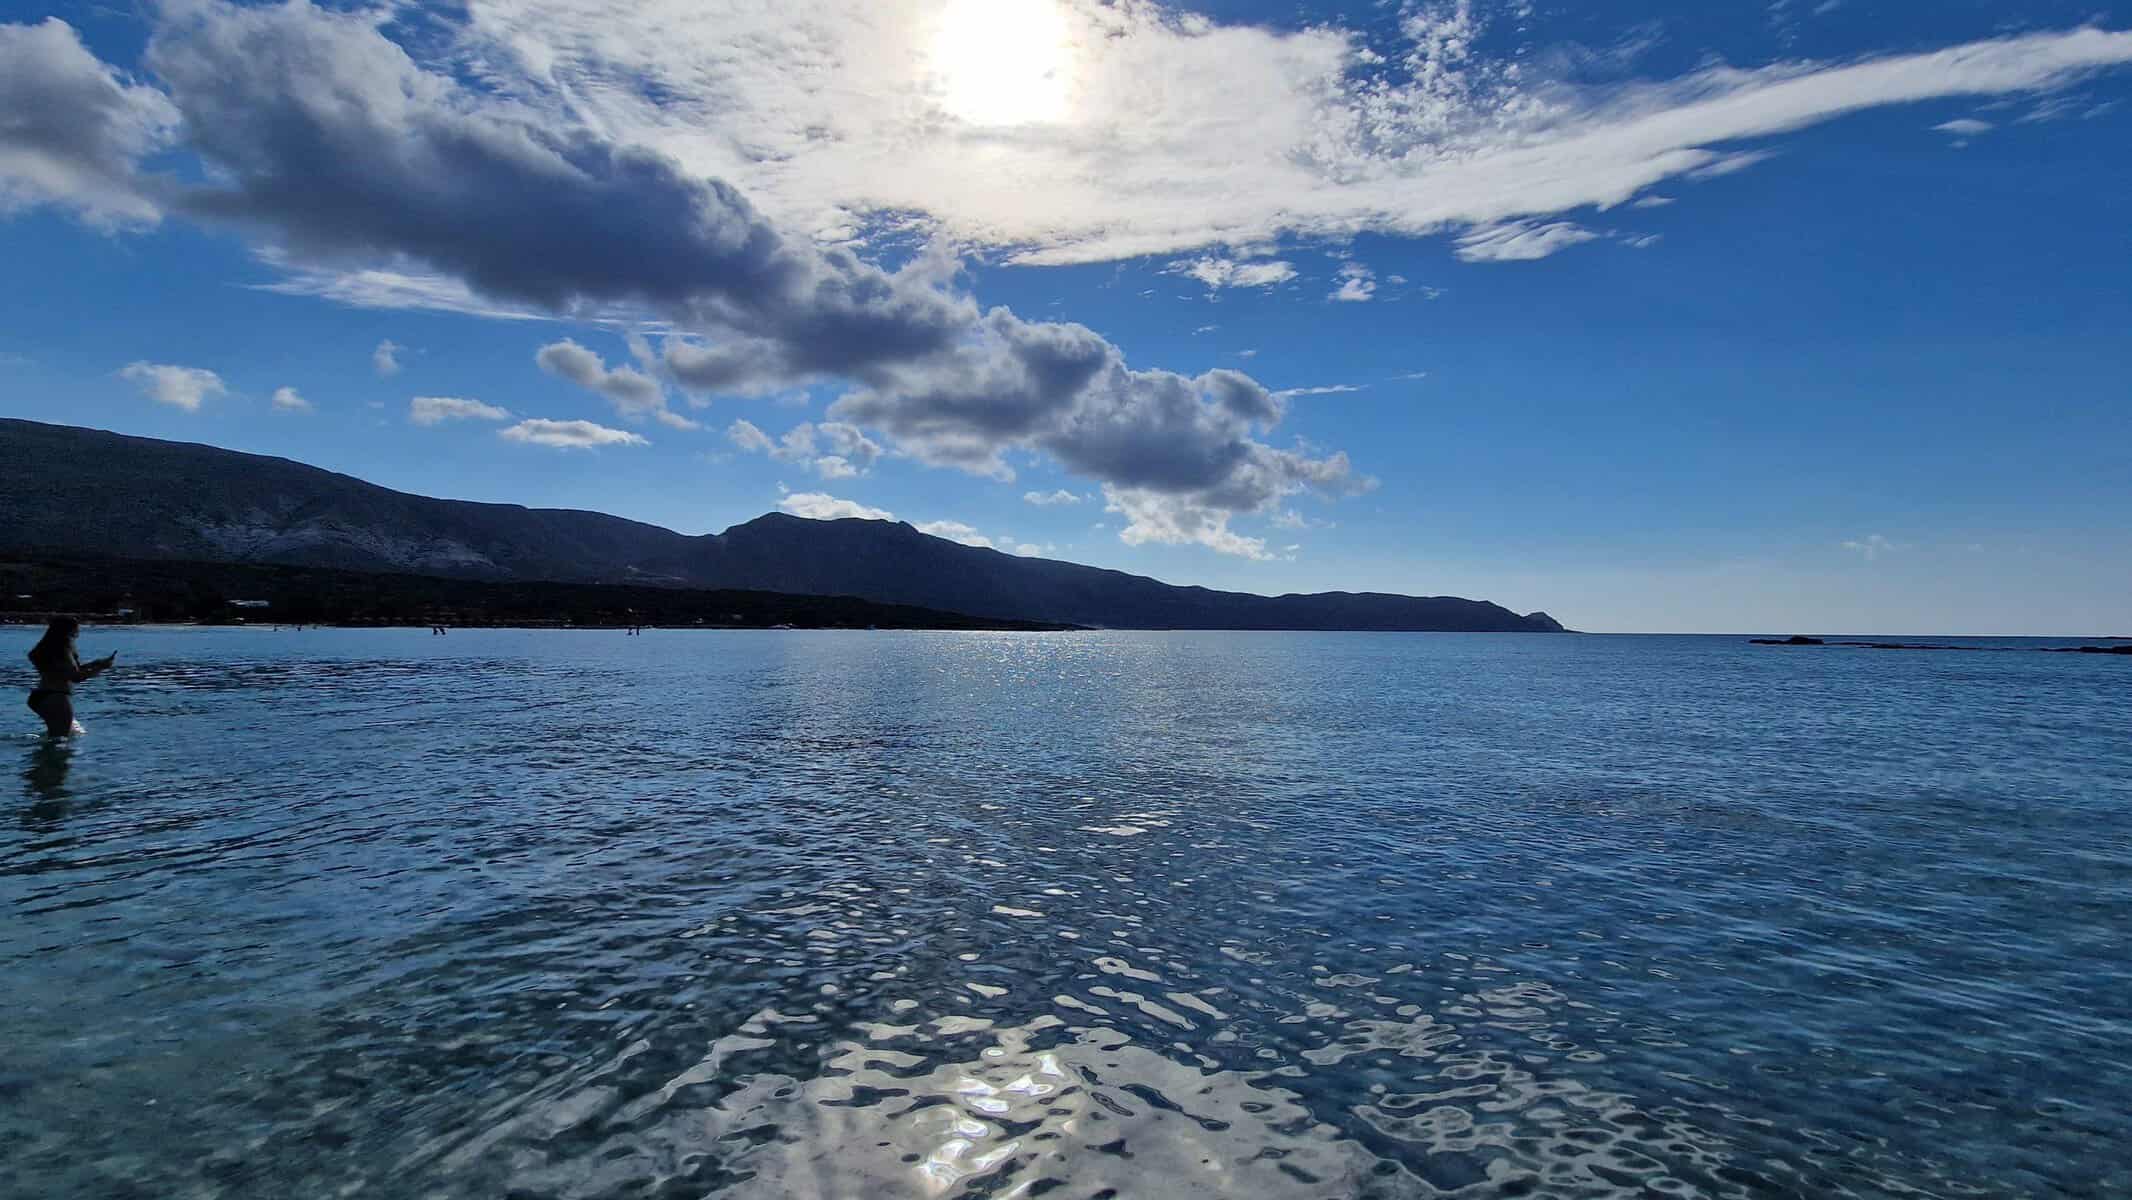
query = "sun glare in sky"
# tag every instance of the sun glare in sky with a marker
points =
(1003, 62)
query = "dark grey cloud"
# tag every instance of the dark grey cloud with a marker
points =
(737, 365)
(337, 144)
(72, 129)
(1063, 390)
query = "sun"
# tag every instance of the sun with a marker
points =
(1003, 62)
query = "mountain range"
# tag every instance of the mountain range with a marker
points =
(71, 490)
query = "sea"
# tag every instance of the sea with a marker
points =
(534, 914)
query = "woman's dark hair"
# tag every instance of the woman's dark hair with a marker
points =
(54, 640)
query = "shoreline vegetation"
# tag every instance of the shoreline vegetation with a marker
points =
(1802, 640)
(155, 592)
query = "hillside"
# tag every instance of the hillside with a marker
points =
(71, 491)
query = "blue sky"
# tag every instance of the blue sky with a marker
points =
(1674, 317)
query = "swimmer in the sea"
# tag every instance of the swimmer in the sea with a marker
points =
(59, 668)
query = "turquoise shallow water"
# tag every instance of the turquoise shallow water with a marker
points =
(545, 914)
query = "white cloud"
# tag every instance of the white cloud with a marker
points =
(832, 449)
(380, 288)
(1218, 272)
(747, 436)
(2061, 107)
(847, 444)
(1872, 546)
(73, 129)
(1357, 284)
(1331, 389)
(179, 387)
(1176, 521)
(956, 531)
(1520, 241)
(385, 360)
(820, 506)
(1048, 499)
(828, 111)
(435, 410)
(1964, 127)
(569, 435)
(287, 399)
(1031, 549)
(633, 393)
(1652, 202)
(1729, 164)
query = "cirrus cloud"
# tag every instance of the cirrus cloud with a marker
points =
(1872, 547)
(1408, 127)
(1520, 241)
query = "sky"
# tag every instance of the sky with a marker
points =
(1804, 315)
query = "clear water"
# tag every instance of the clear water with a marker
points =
(377, 914)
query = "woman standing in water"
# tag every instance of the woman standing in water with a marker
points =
(59, 668)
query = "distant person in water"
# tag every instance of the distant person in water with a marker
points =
(59, 668)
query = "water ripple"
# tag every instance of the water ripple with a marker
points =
(570, 915)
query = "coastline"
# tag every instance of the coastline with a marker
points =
(123, 591)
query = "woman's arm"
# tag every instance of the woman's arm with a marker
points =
(84, 673)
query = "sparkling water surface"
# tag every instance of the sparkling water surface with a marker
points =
(571, 914)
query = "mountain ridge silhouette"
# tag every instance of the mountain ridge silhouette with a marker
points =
(71, 489)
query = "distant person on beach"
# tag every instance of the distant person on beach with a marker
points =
(59, 668)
